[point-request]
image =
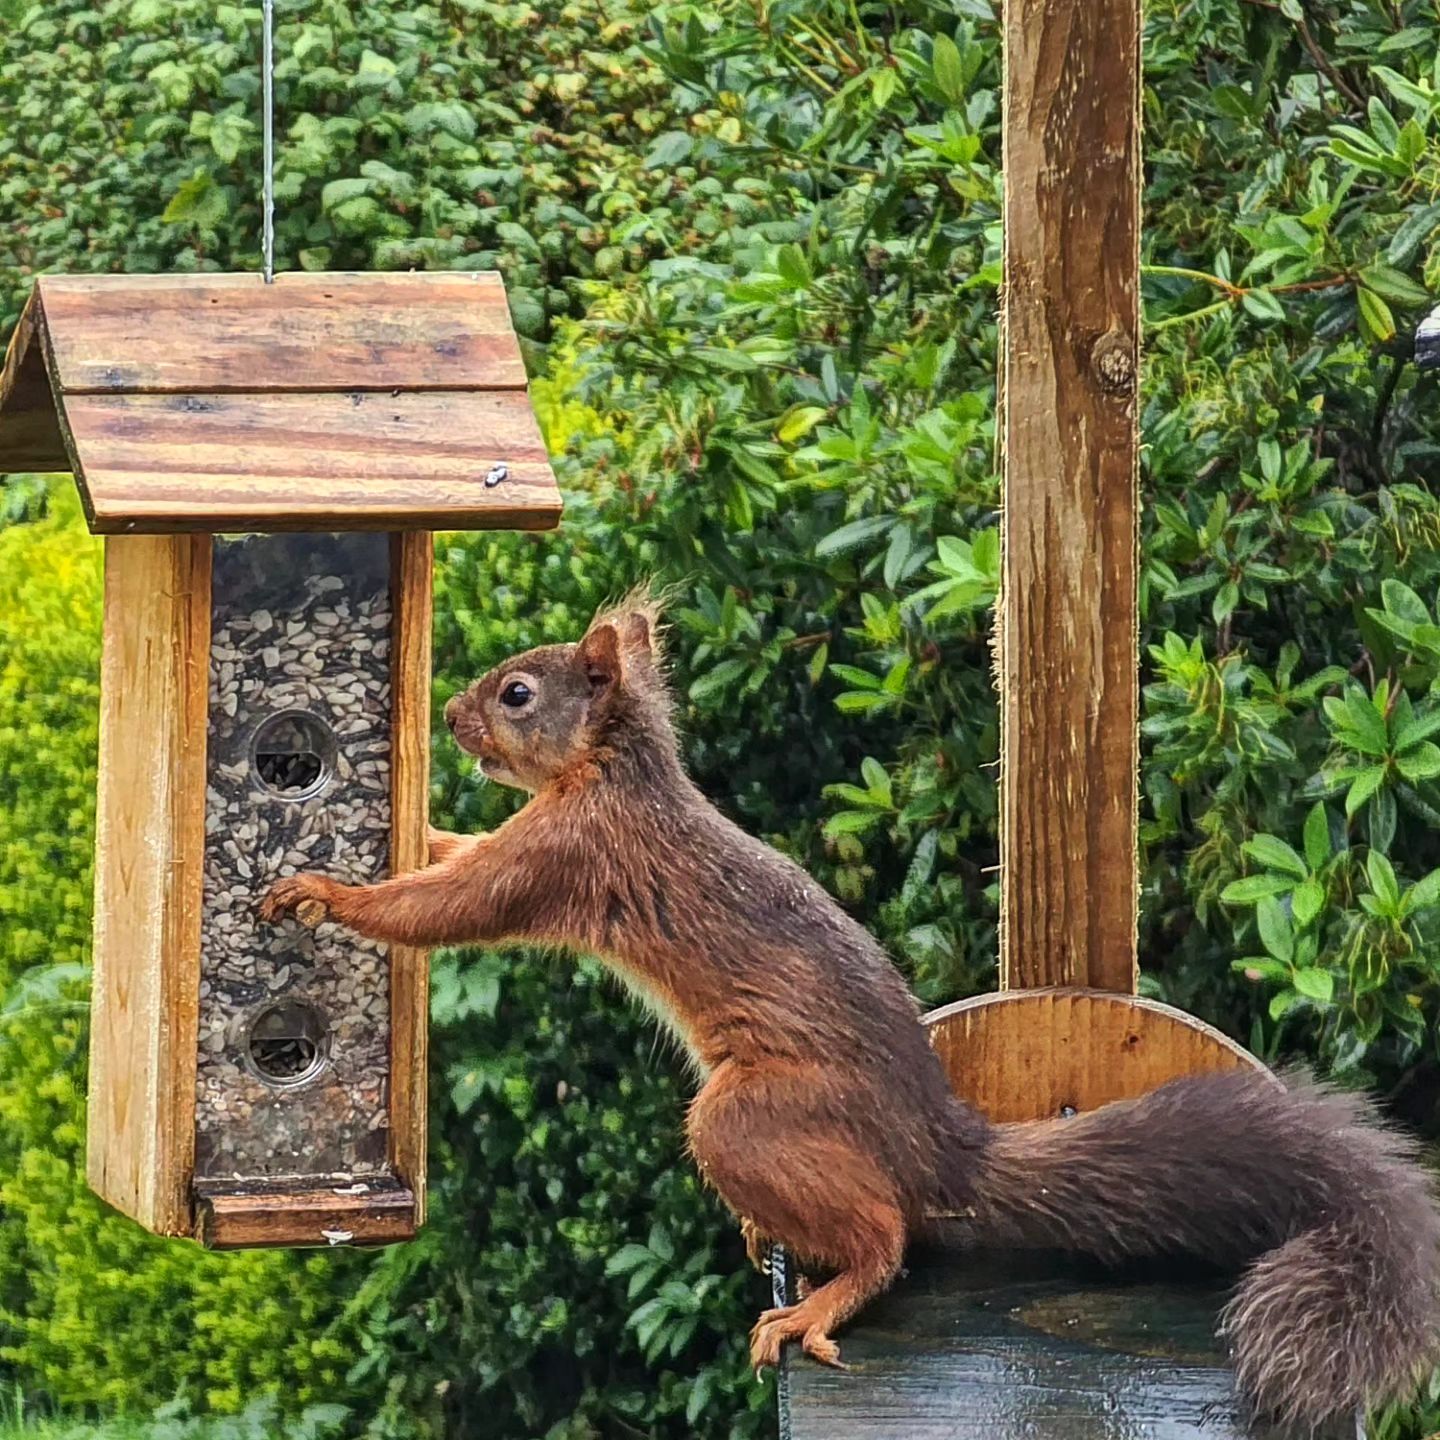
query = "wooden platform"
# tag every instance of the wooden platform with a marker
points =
(971, 1347)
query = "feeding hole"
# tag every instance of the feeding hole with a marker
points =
(286, 1043)
(294, 754)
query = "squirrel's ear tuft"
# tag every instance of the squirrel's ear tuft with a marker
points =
(637, 623)
(599, 655)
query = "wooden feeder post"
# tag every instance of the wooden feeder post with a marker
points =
(266, 463)
(969, 1347)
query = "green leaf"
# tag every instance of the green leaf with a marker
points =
(1364, 786)
(228, 134)
(1253, 888)
(1402, 601)
(949, 72)
(1275, 854)
(852, 822)
(1421, 725)
(1382, 878)
(876, 777)
(1281, 1002)
(856, 533)
(1307, 902)
(1424, 893)
(1317, 836)
(724, 674)
(1413, 231)
(668, 150)
(1382, 124)
(1359, 724)
(374, 66)
(1422, 762)
(1377, 324)
(1263, 305)
(198, 202)
(792, 266)
(1314, 984)
(863, 678)
(799, 422)
(1275, 932)
(1394, 285)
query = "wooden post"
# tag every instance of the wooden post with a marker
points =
(149, 853)
(411, 569)
(1067, 627)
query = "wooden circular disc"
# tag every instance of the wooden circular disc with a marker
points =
(310, 912)
(1034, 1054)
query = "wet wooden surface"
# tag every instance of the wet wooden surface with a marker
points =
(970, 1347)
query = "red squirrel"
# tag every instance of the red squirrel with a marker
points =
(824, 1120)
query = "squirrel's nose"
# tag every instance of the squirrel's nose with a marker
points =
(452, 707)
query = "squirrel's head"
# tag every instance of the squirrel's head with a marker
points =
(543, 713)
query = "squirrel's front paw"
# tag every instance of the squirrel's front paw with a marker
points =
(309, 896)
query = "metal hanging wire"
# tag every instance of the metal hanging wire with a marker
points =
(267, 105)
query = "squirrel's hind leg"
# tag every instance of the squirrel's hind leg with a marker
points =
(817, 1194)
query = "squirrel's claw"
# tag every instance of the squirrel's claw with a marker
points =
(304, 894)
(758, 1247)
(791, 1322)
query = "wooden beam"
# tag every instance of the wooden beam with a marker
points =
(411, 566)
(1067, 622)
(149, 854)
(30, 438)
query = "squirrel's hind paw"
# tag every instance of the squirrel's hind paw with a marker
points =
(775, 1327)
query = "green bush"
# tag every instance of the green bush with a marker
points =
(761, 249)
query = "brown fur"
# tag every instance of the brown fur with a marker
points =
(824, 1119)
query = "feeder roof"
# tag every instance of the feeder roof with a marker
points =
(318, 402)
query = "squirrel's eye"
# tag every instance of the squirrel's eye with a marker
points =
(516, 694)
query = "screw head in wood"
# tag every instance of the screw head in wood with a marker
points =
(1112, 357)
(497, 472)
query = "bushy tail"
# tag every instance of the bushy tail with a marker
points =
(1340, 1305)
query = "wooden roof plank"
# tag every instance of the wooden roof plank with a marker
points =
(335, 331)
(357, 460)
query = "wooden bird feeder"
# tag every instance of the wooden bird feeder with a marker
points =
(973, 1347)
(266, 462)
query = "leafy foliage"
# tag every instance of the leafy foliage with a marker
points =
(760, 249)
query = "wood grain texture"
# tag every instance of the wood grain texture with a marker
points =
(1027, 1055)
(218, 333)
(1000, 1347)
(149, 850)
(1067, 619)
(30, 438)
(311, 462)
(262, 1218)
(412, 560)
